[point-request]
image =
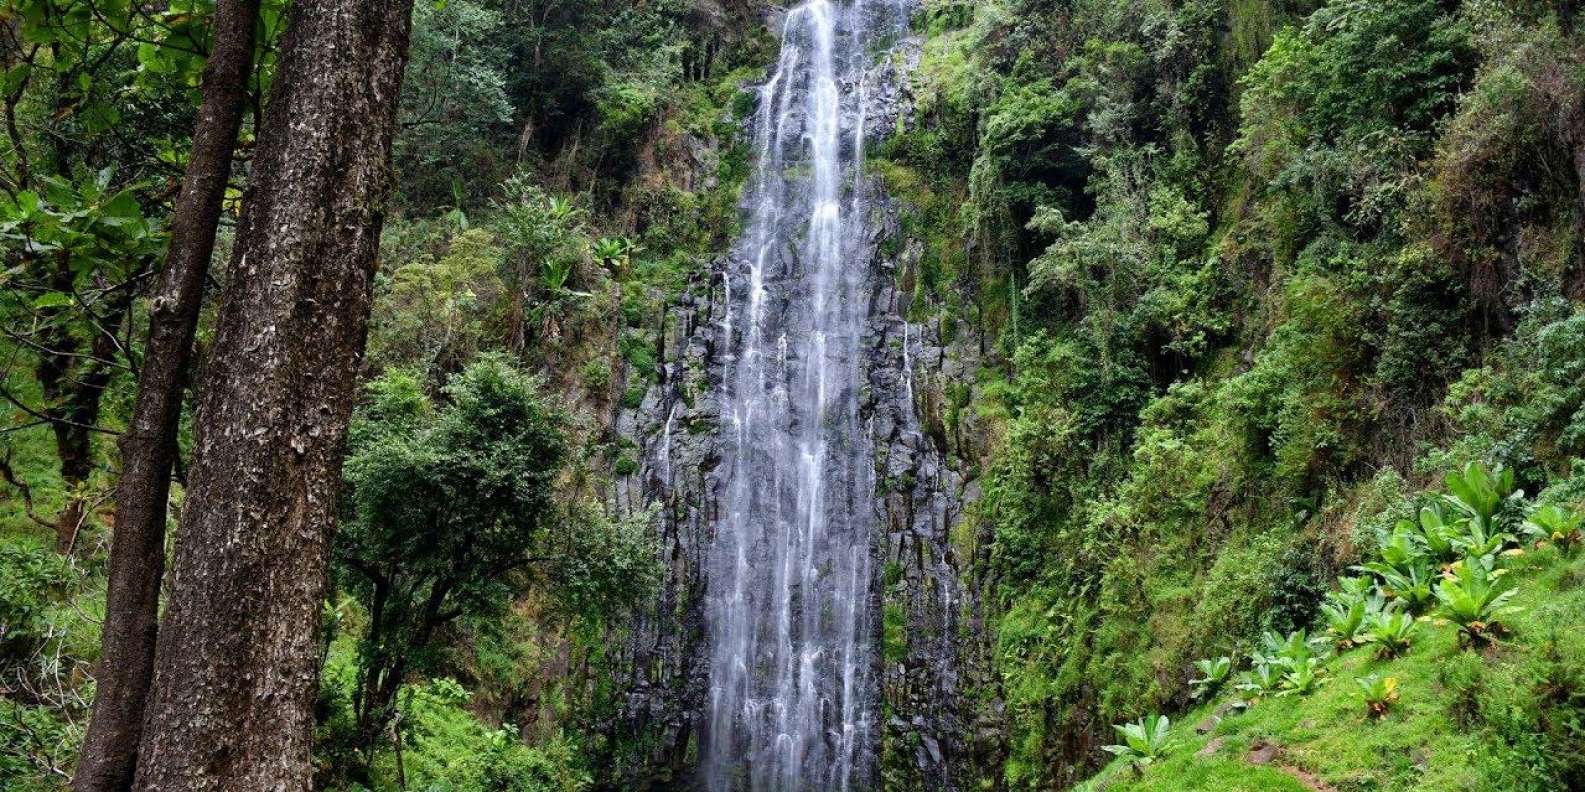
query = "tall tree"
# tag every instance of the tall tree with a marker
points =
(148, 447)
(236, 666)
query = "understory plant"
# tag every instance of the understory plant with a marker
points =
(1349, 610)
(1437, 532)
(1392, 632)
(1380, 693)
(1144, 741)
(1410, 586)
(1474, 598)
(1553, 523)
(1259, 681)
(1213, 673)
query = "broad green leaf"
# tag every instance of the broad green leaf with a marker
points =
(52, 300)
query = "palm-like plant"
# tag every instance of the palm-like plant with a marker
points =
(1562, 527)
(1392, 631)
(1260, 680)
(1479, 492)
(1410, 585)
(1380, 693)
(1346, 615)
(1474, 598)
(1213, 672)
(563, 210)
(1437, 531)
(554, 274)
(1144, 741)
(615, 253)
(1300, 676)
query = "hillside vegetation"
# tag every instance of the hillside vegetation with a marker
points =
(1263, 365)
(1256, 274)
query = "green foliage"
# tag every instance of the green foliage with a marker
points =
(616, 253)
(1300, 676)
(1380, 693)
(455, 105)
(1474, 597)
(28, 578)
(1438, 533)
(1144, 741)
(1410, 585)
(1347, 614)
(445, 499)
(1290, 665)
(443, 503)
(1261, 680)
(447, 748)
(434, 313)
(1214, 673)
(544, 235)
(50, 610)
(1354, 70)
(1479, 492)
(1391, 631)
(1556, 524)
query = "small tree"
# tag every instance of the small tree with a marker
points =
(442, 503)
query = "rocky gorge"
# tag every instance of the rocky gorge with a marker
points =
(921, 612)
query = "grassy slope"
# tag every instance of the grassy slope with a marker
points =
(1445, 733)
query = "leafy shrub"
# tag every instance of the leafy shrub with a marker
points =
(27, 577)
(1290, 664)
(1392, 631)
(1479, 492)
(615, 253)
(1438, 533)
(1294, 648)
(1473, 597)
(1144, 741)
(1411, 586)
(1346, 615)
(1260, 680)
(1555, 524)
(1213, 673)
(1380, 693)
(1301, 676)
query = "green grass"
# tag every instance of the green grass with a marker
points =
(1464, 720)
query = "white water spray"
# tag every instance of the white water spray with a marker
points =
(793, 698)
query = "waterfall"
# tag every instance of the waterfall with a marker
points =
(791, 611)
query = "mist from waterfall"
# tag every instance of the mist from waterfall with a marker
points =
(792, 608)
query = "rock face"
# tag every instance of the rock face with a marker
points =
(916, 617)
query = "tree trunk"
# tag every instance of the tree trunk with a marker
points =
(148, 448)
(382, 679)
(236, 666)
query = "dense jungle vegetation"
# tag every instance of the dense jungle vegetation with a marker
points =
(1276, 418)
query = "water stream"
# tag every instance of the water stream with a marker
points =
(792, 607)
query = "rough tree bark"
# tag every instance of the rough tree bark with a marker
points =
(236, 666)
(148, 447)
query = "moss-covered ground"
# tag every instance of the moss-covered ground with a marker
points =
(1464, 720)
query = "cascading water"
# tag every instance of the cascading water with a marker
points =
(793, 690)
